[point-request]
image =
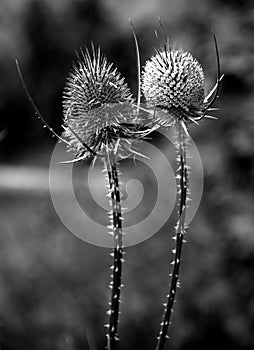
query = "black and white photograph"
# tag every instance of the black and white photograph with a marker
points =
(126, 175)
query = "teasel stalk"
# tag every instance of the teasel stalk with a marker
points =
(100, 122)
(173, 87)
(116, 219)
(180, 230)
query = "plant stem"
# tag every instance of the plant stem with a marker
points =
(115, 284)
(182, 177)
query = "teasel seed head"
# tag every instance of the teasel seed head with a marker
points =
(173, 80)
(97, 107)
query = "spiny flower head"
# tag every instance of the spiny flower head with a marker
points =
(173, 80)
(97, 105)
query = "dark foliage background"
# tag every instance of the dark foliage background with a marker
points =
(53, 287)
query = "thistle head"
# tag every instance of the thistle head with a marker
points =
(173, 81)
(97, 107)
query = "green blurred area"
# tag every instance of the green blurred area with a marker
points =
(53, 286)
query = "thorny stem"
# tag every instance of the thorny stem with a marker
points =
(115, 284)
(182, 177)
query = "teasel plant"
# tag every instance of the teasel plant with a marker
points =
(101, 122)
(98, 109)
(173, 86)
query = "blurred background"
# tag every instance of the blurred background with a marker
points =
(53, 286)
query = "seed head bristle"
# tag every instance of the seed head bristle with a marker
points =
(173, 80)
(97, 105)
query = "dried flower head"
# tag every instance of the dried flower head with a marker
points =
(173, 81)
(97, 106)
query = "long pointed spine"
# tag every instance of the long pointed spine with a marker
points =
(182, 178)
(43, 120)
(116, 283)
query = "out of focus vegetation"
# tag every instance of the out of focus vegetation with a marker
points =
(53, 287)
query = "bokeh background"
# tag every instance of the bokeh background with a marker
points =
(53, 286)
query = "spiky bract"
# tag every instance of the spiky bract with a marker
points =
(97, 106)
(172, 80)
